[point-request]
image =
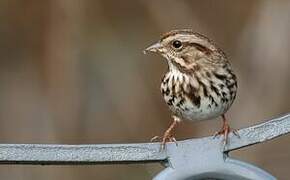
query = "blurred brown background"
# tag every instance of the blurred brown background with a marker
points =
(73, 72)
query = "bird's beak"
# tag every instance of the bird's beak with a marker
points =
(153, 48)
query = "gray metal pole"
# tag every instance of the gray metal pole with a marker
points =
(198, 157)
(55, 154)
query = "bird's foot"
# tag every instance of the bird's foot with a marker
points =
(225, 131)
(167, 137)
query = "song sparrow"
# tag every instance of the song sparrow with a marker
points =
(200, 83)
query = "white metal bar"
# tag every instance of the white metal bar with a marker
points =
(80, 154)
(129, 153)
(268, 130)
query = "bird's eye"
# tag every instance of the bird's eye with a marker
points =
(177, 44)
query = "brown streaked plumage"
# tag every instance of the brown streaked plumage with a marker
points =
(199, 84)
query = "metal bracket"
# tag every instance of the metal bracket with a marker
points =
(202, 158)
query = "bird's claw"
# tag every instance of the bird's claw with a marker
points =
(225, 131)
(155, 138)
(236, 133)
(167, 138)
(164, 139)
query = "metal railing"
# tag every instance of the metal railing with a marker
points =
(192, 159)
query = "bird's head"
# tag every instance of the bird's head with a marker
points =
(186, 48)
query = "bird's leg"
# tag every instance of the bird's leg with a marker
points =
(225, 130)
(168, 134)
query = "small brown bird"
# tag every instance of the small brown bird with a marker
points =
(200, 83)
